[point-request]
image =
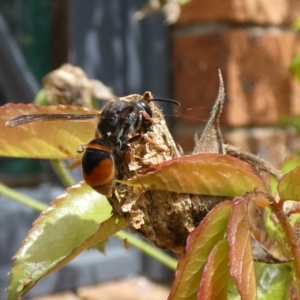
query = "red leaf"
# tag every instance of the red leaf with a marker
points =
(214, 283)
(199, 246)
(240, 254)
(204, 173)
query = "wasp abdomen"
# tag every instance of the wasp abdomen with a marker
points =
(98, 167)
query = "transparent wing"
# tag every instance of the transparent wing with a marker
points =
(24, 119)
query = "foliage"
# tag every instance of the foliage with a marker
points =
(295, 63)
(296, 24)
(218, 262)
(295, 66)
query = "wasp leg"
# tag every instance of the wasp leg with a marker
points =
(132, 159)
(75, 163)
(147, 139)
(135, 138)
(147, 117)
(81, 148)
(151, 142)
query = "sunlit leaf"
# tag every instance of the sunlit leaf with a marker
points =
(292, 242)
(44, 139)
(101, 246)
(289, 187)
(241, 262)
(233, 293)
(75, 221)
(204, 173)
(292, 120)
(289, 163)
(214, 282)
(295, 66)
(277, 244)
(41, 98)
(273, 280)
(199, 246)
(296, 24)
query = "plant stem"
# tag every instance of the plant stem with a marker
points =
(253, 160)
(148, 249)
(4, 190)
(61, 170)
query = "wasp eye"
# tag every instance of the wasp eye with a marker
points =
(145, 106)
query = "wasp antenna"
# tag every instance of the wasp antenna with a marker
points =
(165, 100)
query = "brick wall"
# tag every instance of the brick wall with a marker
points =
(252, 44)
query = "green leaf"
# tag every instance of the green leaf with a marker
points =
(290, 120)
(75, 221)
(241, 262)
(182, 2)
(233, 293)
(204, 173)
(214, 282)
(57, 139)
(296, 24)
(289, 187)
(41, 98)
(200, 243)
(289, 163)
(277, 244)
(292, 242)
(295, 66)
(273, 281)
(101, 246)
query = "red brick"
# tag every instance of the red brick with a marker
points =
(272, 12)
(254, 64)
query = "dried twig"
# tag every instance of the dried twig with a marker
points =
(253, 160)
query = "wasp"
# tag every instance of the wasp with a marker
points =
(120, 123)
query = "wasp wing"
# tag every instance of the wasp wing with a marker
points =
(24, 119)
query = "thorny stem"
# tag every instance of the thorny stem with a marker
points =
(61, 170)
(148, 249)
(253, 160)
(143, 246)
(291, 239)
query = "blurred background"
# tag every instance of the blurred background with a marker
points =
(172, 50)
